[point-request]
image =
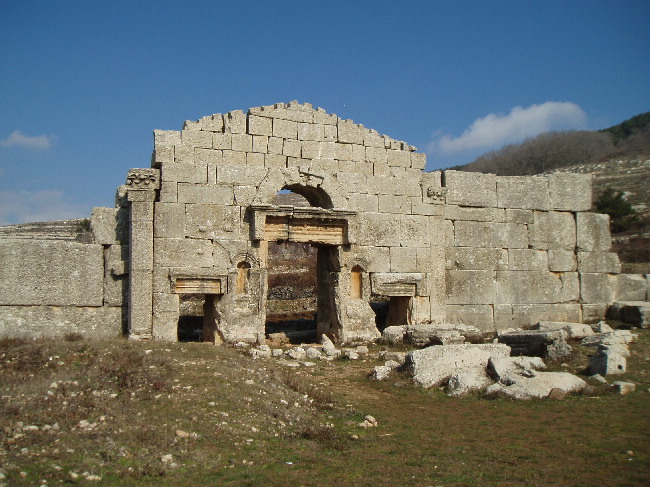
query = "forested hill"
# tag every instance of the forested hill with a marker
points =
(550, 151)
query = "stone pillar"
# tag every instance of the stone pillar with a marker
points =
(142, 185)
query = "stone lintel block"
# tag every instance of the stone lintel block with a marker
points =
(553, 230)
(597, 288)
(526, 192)
(260, 125)
(399, 283)
(631, 287)
(527, 260)
(235, 122)
(471, 287)
(286, 129)
(195, 138)
(470, 188)
(183, 252)
(473, 258)
(606, 262)
(195, 193)
(477, 315)
(570, 192)
(562, 261)
(51, 272)
(593, 232)
(403, 259)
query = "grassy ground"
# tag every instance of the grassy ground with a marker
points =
(152, 413)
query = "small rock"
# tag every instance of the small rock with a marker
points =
(556, 394)
(624, 387)
(169, 458)
(182, 434)
(599, 378)
(362, 350)
(351, 355)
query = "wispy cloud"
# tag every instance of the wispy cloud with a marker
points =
(32, 142)
(495, 130)
(38, 206)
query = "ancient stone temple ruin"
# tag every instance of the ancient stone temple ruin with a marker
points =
(442, 246)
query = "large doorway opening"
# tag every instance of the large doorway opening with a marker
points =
(293, 282)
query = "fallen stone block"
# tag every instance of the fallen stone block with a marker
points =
(328, 347)
(624, 387)
(399, 357)
(394, 334)
(539, 386)
(425, 335)
(572, 330)
(620, 349)
(607, 362)
(602, 327)
(434, 365)
(538, 343)
(381, 372)
(507, 369)
(466, 381)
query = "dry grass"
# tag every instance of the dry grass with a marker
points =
(117, 408)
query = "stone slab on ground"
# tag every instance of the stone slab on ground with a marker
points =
(572, 330)
(539, 386)
(433, 365)
(632, 312)
(536, 343)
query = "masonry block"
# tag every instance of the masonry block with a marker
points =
(526, 192)
(260, 125)
(606, 262)
(631, 287)
(593, 233)
(471, 287)
(479, 316)
(527, 260)
(562, 261)
(597, 288)
(470, 188)
(473, 258)
(194, 193)
(553, 230)
(570, 192)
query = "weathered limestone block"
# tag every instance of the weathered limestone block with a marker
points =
(594, 312)
(394, 334)
(479, 316)
(196, 138)
(169, 219)
(536, 287)
(393, 204)
(527, 260)
(425, 335)
(526, 315)
(526, 192)
(210, 221)
(471, 258)
(194, 193)
(116, 282)
(570, 192)
(466, 381)
(359, 322)
(456, 213)
(490, 235)
(398, 158)
(183, 252)
(350, 133)
(593, 233)
(363, 202)
(185, 173)
(516, 215)
(433, 365)
(606, 262)
(379, 229)
(109, 225)
(212, 123)
(28, 321)
(51, 272)
(470, 188)
(597, 288)
(260, 125)
(608, 362)
(235, 122)
(553, 230)
(572, 330)
(562, 261)
(403, 259)
(537, 385)
(471, 287)
(537, 343)
(631, 287)
(634, 312)
(222, 141)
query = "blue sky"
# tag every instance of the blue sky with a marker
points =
(83, 83)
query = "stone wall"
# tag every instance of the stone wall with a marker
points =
(493, 252)
(526, 249)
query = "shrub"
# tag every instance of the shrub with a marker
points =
(620, 210)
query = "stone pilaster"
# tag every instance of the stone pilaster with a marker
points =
(142, 185)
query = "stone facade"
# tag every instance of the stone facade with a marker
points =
(492, 252)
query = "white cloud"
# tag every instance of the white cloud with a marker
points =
(33, 142)
(26, 206)
(495, 130)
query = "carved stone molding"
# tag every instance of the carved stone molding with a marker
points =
(436, 195)
(143, 179)
(399, 284)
